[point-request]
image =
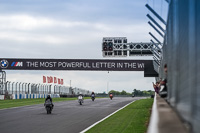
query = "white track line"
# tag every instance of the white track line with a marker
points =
(153, 125)
(105, 118)
(18, 107)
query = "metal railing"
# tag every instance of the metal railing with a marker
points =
(33, 88)
(180, 52)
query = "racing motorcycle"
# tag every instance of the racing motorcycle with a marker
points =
(48, 106)
(80, 99)
(92, 97)
(111, 96)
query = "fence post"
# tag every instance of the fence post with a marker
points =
(12, 87)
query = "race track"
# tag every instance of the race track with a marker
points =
(67, 117)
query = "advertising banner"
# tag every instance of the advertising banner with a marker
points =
(79, 64)
(73, 64)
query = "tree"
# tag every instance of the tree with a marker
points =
(123, 92)
(142, 93)
(135, 92)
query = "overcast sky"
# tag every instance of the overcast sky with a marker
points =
(73, 29)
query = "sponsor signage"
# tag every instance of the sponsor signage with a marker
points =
(73, 64)
(4, 64)
(78, 64)
(17, 64)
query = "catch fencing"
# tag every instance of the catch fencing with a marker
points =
(20, 90)
(181, 53)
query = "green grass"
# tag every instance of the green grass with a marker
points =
(24, 102)
(132, 119)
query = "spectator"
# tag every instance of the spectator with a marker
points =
(163, 84)
(156, 87)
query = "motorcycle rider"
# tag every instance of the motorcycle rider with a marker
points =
(80, 96)
(111, 95)
(93, 94)
(49, 97)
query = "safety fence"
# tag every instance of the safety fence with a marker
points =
(20, 90)
(181, 54)
(32, 96)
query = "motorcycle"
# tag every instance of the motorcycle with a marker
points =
(48, 106)
(80, 100)
(111, 96)
(93, 97)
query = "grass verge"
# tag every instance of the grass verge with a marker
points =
(23, 102)
(132, 119)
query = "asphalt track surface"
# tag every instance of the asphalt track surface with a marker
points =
(66, 117)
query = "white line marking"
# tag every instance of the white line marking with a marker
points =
(153, 125)
(105, 117)
(18, 107)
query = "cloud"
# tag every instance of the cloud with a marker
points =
(49, 38)
(26, 28)
(72, 29)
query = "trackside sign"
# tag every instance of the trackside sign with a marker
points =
(73, 64)
(79, 64)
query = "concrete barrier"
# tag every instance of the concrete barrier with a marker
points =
(2, 97)
(55, 95)
(20, 96)
(30, 96)
(164, 119)
(13, 96)
(23, 96)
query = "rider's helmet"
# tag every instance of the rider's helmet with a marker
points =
(48, 96)
(93, 92)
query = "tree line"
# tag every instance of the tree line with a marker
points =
(123, 92)
(134, 93)
(143, 93)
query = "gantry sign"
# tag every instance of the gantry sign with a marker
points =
(119, 47)
(79, 64)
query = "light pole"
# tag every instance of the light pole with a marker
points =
(108, 83)
(54, 89)
(28, 87)
(16, 87)
(39, 88)
(8, 86)
(107, 86)
(49, 89)
(42, 88)
(59, 89)
(22, 87)
(12, 87)
(19, 87)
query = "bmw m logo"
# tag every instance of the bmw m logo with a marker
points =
(4, 64)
